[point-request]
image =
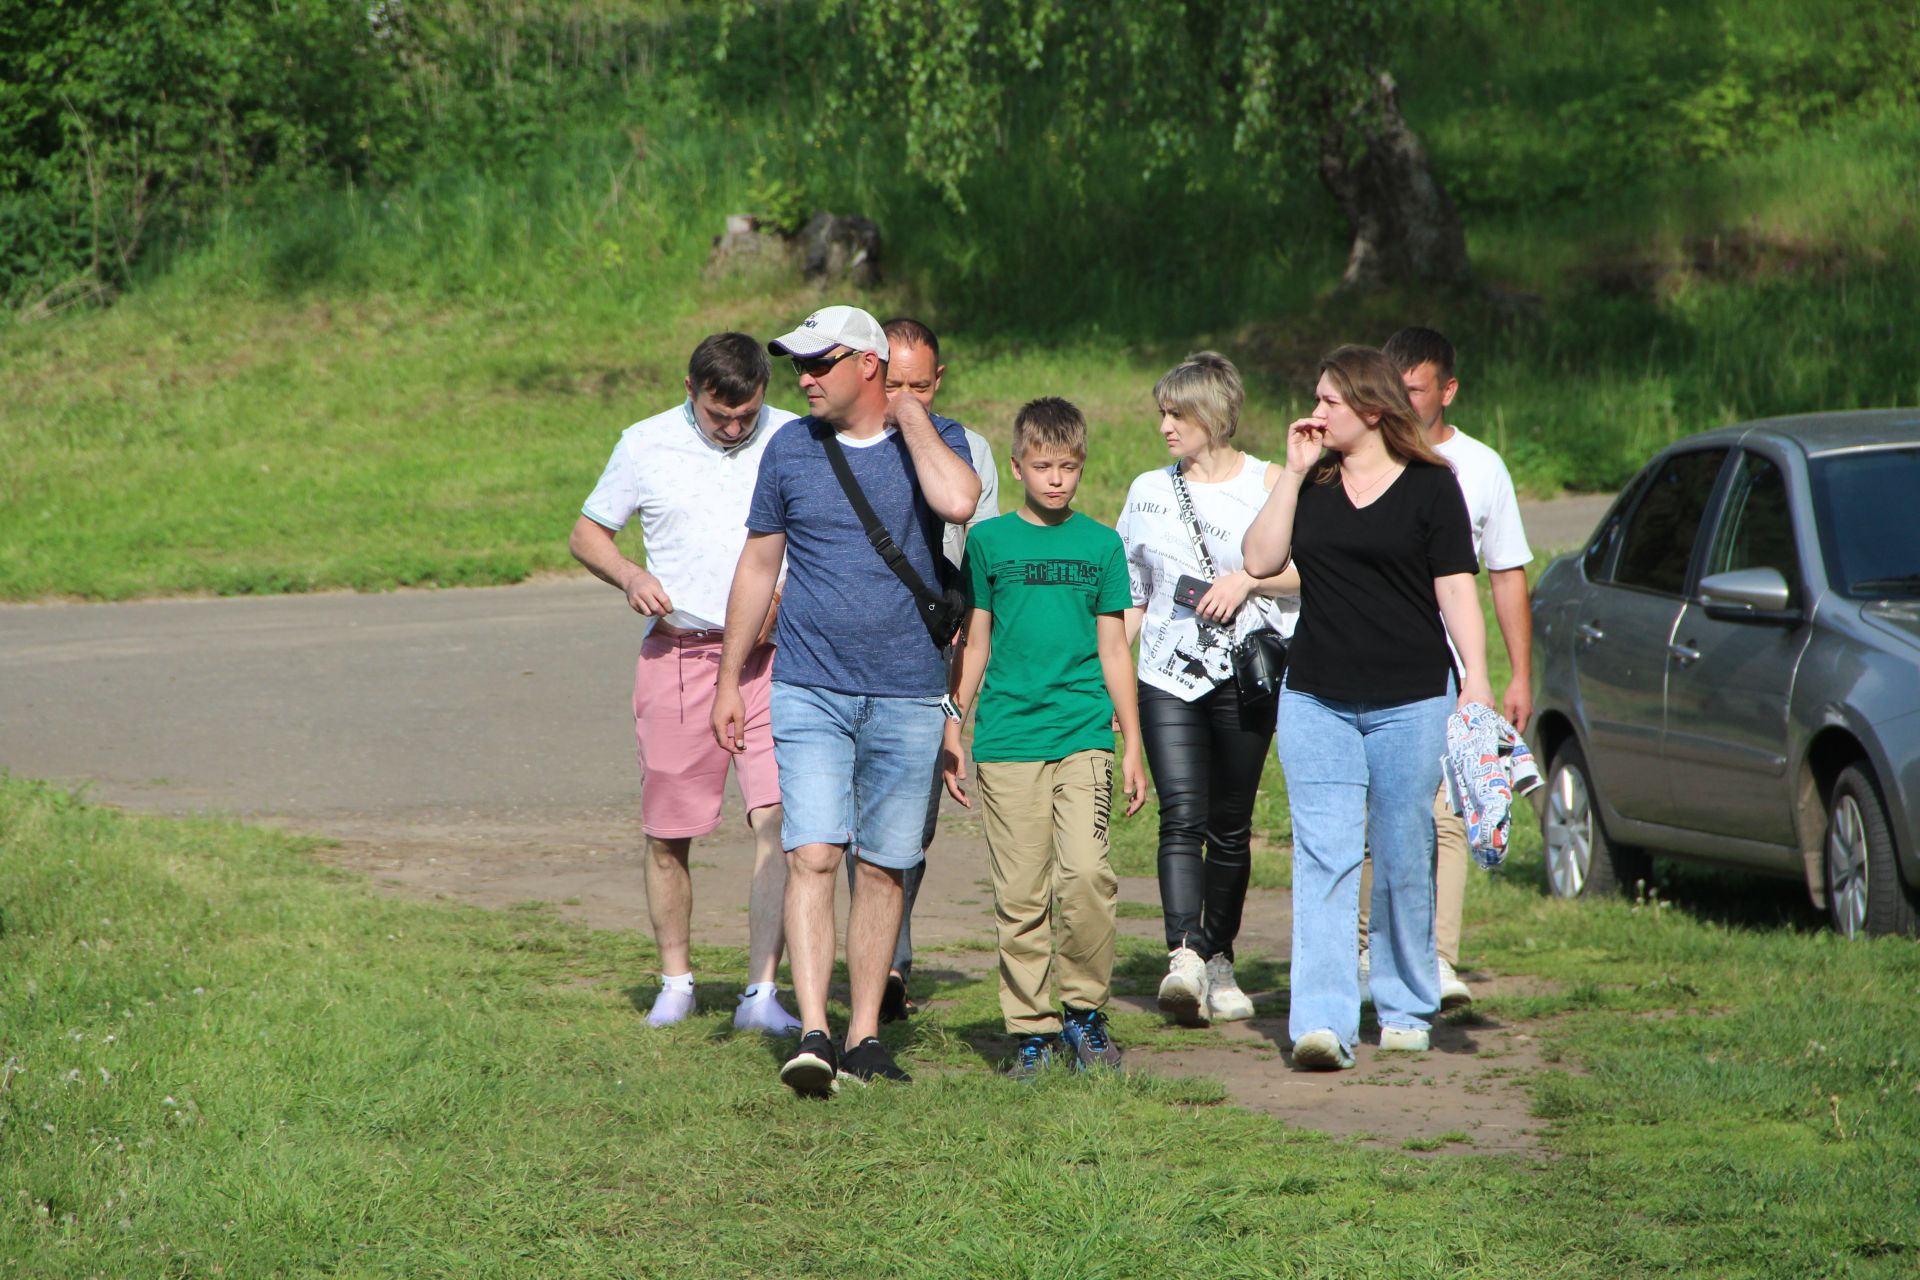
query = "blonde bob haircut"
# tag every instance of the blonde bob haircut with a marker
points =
(1204, 388)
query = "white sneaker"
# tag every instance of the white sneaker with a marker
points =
(1454, 994)
(1226, 1002)
(1404, 1040)
(764, 1013)
(1366, 976)
(1321, 1051)
(1183, 992)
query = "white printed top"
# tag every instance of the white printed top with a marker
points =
(1177, 654)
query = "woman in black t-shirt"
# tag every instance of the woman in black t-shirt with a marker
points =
(1377, 525)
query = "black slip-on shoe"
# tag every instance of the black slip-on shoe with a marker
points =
(869, 1061)
(813, 1069)
(895, 1004)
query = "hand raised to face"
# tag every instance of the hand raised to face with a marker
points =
(1306, 443)
(904, 411)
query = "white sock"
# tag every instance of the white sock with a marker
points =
(681, 982)
(757, 989)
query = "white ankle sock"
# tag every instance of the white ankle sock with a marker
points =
(681, 982)
(757, 989)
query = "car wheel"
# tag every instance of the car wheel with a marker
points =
(1581, 861)
(1864, 894)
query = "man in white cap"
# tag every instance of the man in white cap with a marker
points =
(859, 680)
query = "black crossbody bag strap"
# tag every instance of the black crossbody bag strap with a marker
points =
(1192, 521)
(877, 534)
(941, 612)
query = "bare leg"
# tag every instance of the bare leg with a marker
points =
(670, 901)
(766, 896)
(873, 926)
(810, 887)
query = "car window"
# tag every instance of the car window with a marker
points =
(1869, 521)
(1658, 542)
(1756, 525)
(1607, 536)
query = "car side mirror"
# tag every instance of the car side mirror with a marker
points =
(1748, 595)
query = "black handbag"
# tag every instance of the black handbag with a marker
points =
(1260, 660)
(1259, 664)
(943, 612)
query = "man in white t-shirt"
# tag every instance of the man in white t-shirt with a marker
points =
(1426, 360)
(915, 370)
(689, 474)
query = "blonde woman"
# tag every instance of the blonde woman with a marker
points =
(1192, 600)
(1376, 522)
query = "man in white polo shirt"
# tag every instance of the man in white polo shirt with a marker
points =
(1425, 360)
(689, 474)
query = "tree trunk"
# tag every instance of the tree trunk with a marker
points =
(1404, 227)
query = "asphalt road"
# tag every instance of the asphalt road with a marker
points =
(489, 710)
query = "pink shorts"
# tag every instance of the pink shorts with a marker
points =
(683, 771)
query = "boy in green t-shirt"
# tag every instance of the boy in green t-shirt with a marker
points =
(1047, 633)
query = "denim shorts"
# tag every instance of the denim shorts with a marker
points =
(854, 769)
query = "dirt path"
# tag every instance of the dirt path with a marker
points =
(476, 745)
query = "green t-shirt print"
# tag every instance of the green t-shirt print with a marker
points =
(1043, 697)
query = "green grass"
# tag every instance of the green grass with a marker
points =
(223, 1060)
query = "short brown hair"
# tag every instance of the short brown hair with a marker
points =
(1414, 346)
(1050, 423)
(1204, 388)
(905, 331)
(1372, 388)
(731, 367)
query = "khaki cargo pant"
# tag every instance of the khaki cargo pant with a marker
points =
(1449, 880)
(1054, 891)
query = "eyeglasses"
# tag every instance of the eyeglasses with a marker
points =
(817, 366)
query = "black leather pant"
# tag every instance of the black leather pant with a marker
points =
(1206, 769)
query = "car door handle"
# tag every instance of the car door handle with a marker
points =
(1590, 633)
(1684, 654)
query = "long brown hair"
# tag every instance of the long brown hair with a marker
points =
(1371, 386)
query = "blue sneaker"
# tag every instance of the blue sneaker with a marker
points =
(1085, 1034)
(1034, 1055)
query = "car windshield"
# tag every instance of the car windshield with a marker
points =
(1870, 522)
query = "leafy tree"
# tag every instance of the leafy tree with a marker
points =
(1291, 82)
(124, 123)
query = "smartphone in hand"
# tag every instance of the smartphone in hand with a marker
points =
(1188, 591)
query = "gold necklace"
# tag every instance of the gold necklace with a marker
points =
(1353, 497)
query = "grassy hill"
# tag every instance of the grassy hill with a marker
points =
(1681, 219)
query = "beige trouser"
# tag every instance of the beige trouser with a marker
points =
(1449, 880)
(1053, 888)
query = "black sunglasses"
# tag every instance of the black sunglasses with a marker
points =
(815, 366)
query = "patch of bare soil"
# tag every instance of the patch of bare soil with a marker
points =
(1468, 1095)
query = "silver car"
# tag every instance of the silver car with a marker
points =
(1730, 671)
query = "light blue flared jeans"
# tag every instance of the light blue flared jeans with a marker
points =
(1361, 774)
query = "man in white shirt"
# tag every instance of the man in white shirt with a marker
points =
(1426, 360)
(915, 370)
(689, 475)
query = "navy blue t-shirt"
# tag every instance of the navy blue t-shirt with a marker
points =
(846, 623)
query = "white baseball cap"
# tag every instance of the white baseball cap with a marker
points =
(832, 327)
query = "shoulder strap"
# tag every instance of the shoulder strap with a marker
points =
(1191, 521)
(877, 535)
